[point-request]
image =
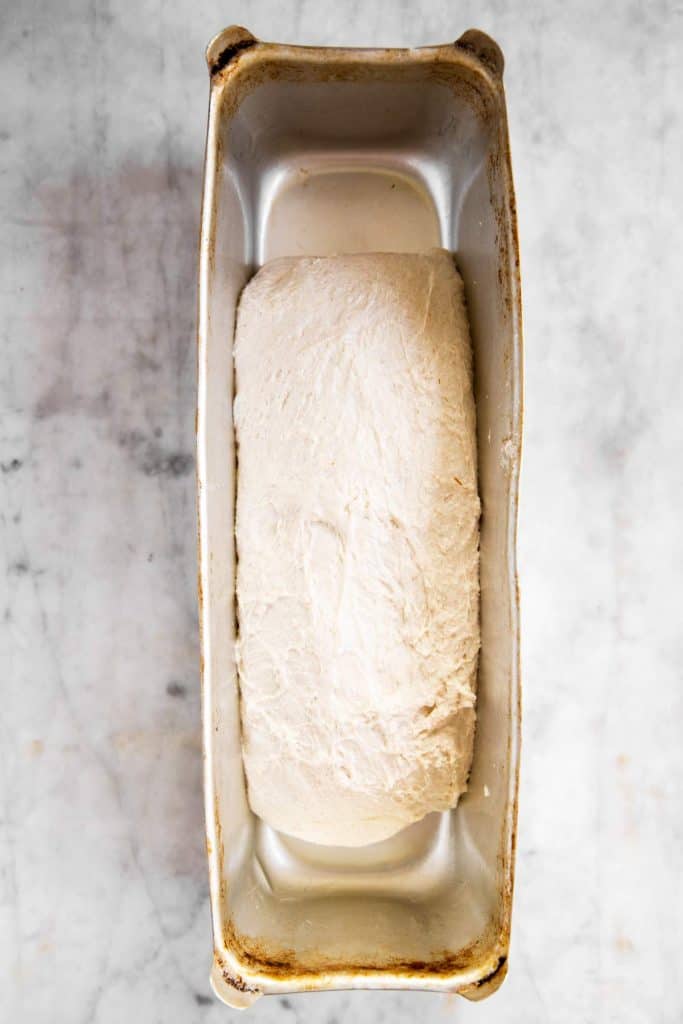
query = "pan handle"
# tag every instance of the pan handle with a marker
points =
(226, 46)
(486, 50)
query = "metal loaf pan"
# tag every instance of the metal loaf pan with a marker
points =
(329, 150)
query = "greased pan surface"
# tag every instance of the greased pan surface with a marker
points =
(313, 151)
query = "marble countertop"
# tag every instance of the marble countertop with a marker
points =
(103, 890)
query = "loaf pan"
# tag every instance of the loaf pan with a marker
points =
(315, 151)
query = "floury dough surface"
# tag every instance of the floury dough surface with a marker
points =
(357, 538)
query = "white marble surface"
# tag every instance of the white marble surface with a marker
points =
(103, 892)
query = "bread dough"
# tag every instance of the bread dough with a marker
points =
(357, 541)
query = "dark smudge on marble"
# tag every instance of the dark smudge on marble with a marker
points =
(153, 459)
(176, 689)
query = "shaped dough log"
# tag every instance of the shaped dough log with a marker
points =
(357, 538)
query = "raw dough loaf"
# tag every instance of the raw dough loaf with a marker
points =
(357, 540)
